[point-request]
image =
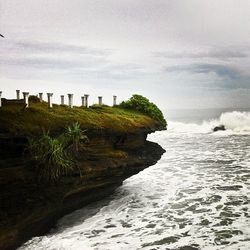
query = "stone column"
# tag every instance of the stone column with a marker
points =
(100, 100)
(18, 94)
(86, 100)
(70, 100)
(0, 99)
(26, 98)
(83, 101)
(114, 100)
(62, 99)
(41, 96)
(50, 105)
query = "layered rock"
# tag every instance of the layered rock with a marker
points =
(30, 208)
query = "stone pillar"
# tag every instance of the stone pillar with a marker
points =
(100, 100)
(18, 94)
(0, 99)
(26, 98)
(114, 100)
(62, 99)
(70, 100)
(83, 101)
(41, 96)
(86, 100)
(50, 105)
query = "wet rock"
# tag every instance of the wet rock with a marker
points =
(219, 128)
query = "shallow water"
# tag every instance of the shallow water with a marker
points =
(196, 197)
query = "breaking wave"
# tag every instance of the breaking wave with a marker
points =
(234, 122)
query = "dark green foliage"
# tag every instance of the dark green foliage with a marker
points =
(52, 154)
(34, 99)
(51, 157)
(142, 104)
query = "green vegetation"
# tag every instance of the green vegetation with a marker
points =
(33, 98)
(16, 121)
(51, 157)
(52, 154)
(76, 135)
(142, 104)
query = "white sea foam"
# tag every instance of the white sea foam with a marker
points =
(234, 122)
(197, 195)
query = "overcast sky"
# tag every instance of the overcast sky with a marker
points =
(178, 53)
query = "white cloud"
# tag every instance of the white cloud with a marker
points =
(171, 51)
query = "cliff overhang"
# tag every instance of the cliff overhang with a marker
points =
(117, 149)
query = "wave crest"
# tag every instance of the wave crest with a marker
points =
(238, 122)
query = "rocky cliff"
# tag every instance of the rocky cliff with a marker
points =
(117, 149)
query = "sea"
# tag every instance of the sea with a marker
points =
(196, 197)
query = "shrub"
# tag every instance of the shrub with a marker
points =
(75, 135)
(142, 104)
(52, 159)
(52, 154)
(34, 99)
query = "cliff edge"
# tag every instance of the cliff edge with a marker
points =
(117, 148)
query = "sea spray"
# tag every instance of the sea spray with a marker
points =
(234, 122)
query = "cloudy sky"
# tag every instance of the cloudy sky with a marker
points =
(178, 53)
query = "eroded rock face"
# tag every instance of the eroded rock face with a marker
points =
(29, 208)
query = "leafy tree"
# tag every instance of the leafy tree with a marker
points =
(142, 104)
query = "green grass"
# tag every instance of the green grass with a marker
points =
(37, 118)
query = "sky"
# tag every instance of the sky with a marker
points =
(178, 53)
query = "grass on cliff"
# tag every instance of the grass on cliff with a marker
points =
(16, 120)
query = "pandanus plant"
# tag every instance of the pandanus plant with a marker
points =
(76, 135)
(53, 154)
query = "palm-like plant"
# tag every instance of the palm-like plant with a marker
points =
(51, 156)
(76, 135)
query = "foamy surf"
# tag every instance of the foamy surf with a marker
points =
(196, 197)
(234, 122)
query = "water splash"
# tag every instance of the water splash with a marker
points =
(234, 122)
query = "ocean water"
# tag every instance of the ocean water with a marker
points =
(196, 197)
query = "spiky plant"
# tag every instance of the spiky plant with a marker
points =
(76, 135)
(51, 157)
